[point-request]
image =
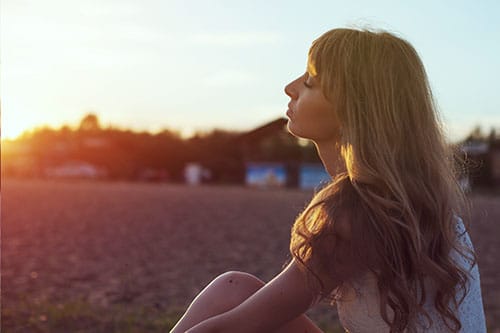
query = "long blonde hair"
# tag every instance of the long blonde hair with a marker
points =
(399, 193)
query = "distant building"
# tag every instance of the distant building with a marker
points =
(274, 158)
(266, 175)
(312, 176)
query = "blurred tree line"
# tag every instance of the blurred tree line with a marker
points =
(126, 154)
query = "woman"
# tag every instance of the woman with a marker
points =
(384, 239)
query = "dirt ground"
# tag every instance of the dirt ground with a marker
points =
(159, 244)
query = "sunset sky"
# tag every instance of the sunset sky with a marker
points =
(194, 65)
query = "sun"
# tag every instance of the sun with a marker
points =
(12, 127)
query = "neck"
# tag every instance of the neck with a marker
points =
(329, 153)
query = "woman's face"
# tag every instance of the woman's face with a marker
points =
(311, 115)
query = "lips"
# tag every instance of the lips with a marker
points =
(289, 112)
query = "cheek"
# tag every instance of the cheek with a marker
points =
(322, 124)
(322, 116)
(313, 119)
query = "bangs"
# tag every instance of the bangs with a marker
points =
(314, 57)
(324, 52)
(324, 61)
(311, 62)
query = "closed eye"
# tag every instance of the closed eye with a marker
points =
(306, 78)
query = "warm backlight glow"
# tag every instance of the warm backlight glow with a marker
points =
(12, 130)
(18, 121)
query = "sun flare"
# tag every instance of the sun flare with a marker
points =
(13, 128)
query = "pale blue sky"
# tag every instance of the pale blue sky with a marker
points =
(189, 65)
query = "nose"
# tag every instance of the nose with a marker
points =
(290, 91)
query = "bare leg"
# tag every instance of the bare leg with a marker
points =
(226, 292)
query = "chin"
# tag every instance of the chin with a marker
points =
(290, 129)
(296, 132)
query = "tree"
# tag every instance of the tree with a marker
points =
(476, 134)
(90, 123)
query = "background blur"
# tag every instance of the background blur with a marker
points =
(145, 151)
(195, 65)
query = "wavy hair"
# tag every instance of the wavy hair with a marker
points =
(393, 212)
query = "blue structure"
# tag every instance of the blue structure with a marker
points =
(312, 176)
(266, 174)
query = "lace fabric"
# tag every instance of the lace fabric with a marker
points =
(359, 309)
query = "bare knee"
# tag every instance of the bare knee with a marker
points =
(225, 292)
(239, 281)
(232, 288)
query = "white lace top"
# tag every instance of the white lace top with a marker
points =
(359, 309)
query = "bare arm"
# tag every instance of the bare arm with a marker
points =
(281, 300)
